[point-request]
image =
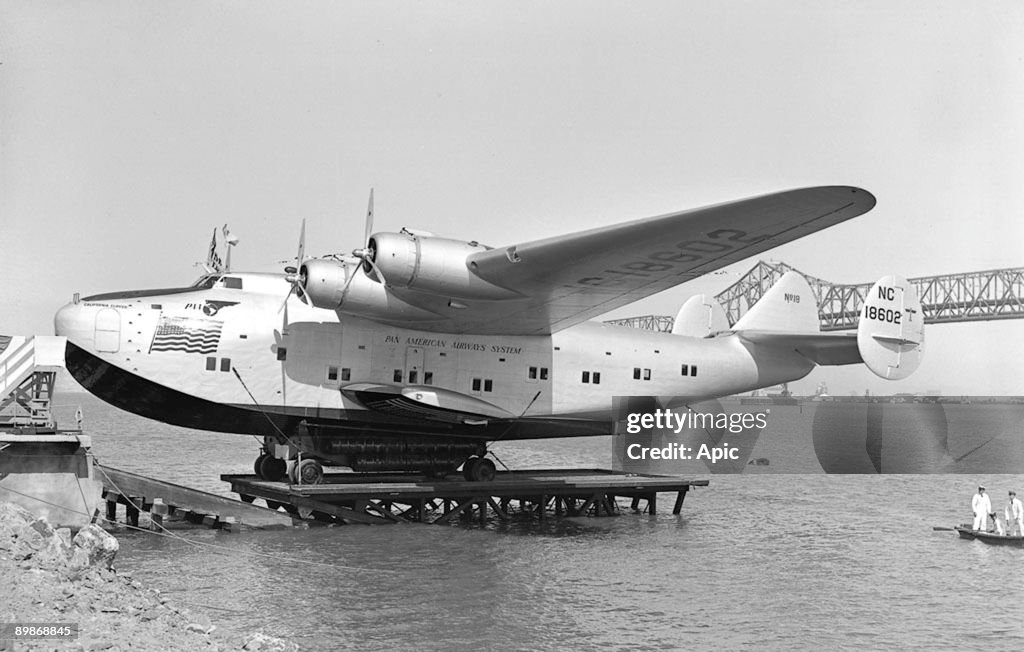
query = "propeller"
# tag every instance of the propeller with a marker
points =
(294, 275)
(367, 253)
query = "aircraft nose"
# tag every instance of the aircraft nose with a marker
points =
(72, 322)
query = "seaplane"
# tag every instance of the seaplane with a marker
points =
(417, 352)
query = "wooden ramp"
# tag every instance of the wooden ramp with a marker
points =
(166, 500)
(396, 498)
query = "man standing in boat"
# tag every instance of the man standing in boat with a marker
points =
(1014, 515)
(982, 506)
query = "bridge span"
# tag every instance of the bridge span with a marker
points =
(948, 298)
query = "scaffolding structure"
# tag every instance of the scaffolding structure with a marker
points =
(26, 385)
(948, 298)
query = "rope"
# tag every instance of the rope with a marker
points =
(291, 442)
(509, 429)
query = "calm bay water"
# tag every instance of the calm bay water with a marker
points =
(754, 561)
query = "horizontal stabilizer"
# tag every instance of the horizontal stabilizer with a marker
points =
(700, 316)
(819, 348)
(788, 306)
(425, 402)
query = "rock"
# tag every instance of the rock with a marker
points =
(201, 622)
(27, 536)
(36, 533)
(93, 547)
(260, 642)
(54, 552)
(12, 515)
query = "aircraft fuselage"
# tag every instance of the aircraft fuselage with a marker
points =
(224, 356)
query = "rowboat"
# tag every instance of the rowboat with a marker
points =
(990, 537)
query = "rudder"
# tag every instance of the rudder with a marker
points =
(700, 316)
(890, 331)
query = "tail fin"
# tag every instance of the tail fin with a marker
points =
(788, 306)
(890, 332)
(700, 316)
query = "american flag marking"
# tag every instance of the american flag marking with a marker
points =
(187, 334)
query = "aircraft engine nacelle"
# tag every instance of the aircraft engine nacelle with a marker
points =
(324, 282)
(434, 265)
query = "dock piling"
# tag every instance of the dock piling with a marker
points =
(157, 514)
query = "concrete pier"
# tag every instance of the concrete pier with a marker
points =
(45, 469)
(52, 476)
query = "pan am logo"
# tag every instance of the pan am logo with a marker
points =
(210, 307)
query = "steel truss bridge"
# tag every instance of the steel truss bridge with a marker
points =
(972, 296)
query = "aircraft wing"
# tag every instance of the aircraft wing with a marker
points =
(569, 279)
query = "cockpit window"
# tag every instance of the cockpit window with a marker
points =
(210, 280)
(205, 282)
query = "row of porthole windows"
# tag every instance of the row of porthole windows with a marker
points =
(333, 375)
(645, 374)
(414, 377)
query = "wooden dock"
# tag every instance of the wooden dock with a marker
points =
(167, 501)
(376, 498)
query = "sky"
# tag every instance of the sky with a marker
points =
(129, 131)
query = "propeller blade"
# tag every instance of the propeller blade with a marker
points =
(376, 270)
(284, 304)
(348, 282)
(300, 287)
(294, 274)
(369, 219)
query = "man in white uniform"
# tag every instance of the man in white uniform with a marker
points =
(1014, 515)
(982, 507)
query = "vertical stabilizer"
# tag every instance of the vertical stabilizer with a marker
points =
(788, 306)
(700, 316)
(890, 332)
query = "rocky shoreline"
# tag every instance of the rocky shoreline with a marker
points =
(49, 577)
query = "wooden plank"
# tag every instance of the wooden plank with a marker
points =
(679, 502)
(344, 513)
(184, 498)
(458, 509)
(499, 510)
(590, 501)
